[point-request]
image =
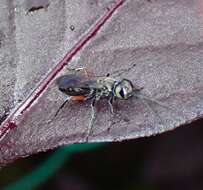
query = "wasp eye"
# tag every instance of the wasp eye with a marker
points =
(123, 89)
(119, 91)
(122, 94)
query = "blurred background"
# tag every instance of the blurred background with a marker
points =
(172, 160)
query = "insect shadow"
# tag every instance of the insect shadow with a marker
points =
(84, 87)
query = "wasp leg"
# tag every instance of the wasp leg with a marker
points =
(108, 74)
(93, 110)
(62, 106)
(83, 69)
(4, 114)
(110, 102)
(153, 100)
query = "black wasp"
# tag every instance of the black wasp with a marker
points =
(84, 87)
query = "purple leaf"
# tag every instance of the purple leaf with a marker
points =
(159, 41)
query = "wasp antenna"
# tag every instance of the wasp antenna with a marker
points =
(144, 99)
(62, 105)
(139, 95)
(152, 110)
(121, 71)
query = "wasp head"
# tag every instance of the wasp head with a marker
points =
(123, 89)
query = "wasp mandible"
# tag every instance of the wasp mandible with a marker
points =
(84, 87)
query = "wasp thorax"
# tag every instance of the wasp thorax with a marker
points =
(123, 89)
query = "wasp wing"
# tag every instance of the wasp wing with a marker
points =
(75, 85)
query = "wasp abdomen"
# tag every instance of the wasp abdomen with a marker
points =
(71, 85)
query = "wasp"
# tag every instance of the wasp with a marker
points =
(84, 88)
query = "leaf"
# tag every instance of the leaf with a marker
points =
(159, 42)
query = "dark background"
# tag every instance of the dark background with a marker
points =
(172, 160)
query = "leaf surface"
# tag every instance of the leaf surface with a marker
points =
(160, 41)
